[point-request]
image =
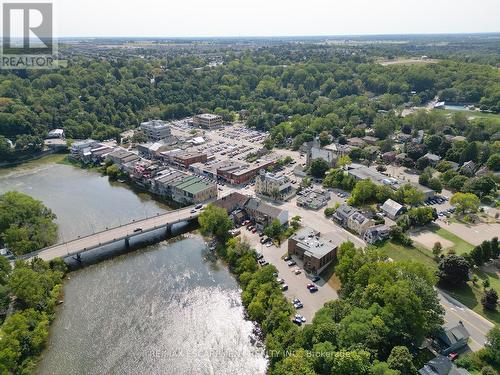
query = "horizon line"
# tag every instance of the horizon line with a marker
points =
(282, 36)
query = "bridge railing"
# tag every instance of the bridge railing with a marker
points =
(166, 214)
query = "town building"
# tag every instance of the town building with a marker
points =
(120, 157)
(240, 206)
(192, 189)
(162, 182)
(264, 214)
(315, 252)
(156, 130)
(239, 173)
(81, 149)
(207, 120)
(392, 209)
(184, 159)
(329, 153)
(313, 199)
(277, 187)
(361, 172)
(151, 150)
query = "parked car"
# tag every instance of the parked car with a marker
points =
(284, 287)
(291, 263)
(287, 258)
(297, 271)
(198, 206)
(280, 281)
(138, 229)
(315, 278)
(452, 356)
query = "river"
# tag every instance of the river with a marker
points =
(168, 308)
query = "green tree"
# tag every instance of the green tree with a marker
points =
(453, 270)
(319, 168)
(400, 359)
(493, 162)
(437, 249)
(363, 192)
(465, 202)
(490, 299)
(214, 221)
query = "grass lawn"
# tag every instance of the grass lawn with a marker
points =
(474, 114)
(460, 245)
(415, 253)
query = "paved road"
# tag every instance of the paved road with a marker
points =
(113, 234)
(477, 326)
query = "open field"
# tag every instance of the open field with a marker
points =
(409, 61)
(415, 253)
(461, 246)
(471, 294)
(472, 114)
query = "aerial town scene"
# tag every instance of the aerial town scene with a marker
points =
(266, 203)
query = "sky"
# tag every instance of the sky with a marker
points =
(195, 18)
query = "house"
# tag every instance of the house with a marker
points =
(441, 365)
(55, 133)
(359, 223)
(451, 339)
(392, 209)
(433, 159)
(264, 214)
(468, 168)
(343, 213)
(207, 120)
(403, 137)
(315, 252)
(355, 142)
(419, 137)
(373, 151)
(370, 140)
(80, 148)
(376, 233)
(389, 156)
(278, 187)
(156, 130)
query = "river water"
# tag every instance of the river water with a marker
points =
(168, 308)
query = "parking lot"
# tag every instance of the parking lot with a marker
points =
(297, 284)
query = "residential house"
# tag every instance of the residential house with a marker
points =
(370, 140)
(452, 338)
(441, 365)
(389, 156)
(468, 168)
(433, 159)
(359, 223)
(376, 233)
(356, 142)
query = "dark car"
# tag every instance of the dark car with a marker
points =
(287, 258)
(137, 230)
(315, 278)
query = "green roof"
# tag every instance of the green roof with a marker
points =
(191, 184)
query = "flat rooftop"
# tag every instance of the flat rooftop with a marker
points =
(314, 245)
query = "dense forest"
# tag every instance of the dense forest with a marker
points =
(306, 88)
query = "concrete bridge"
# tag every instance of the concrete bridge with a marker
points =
(121, 233)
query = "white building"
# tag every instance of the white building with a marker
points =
(56, 133)
(156, 130)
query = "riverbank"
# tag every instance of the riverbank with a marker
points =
(170, 305)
